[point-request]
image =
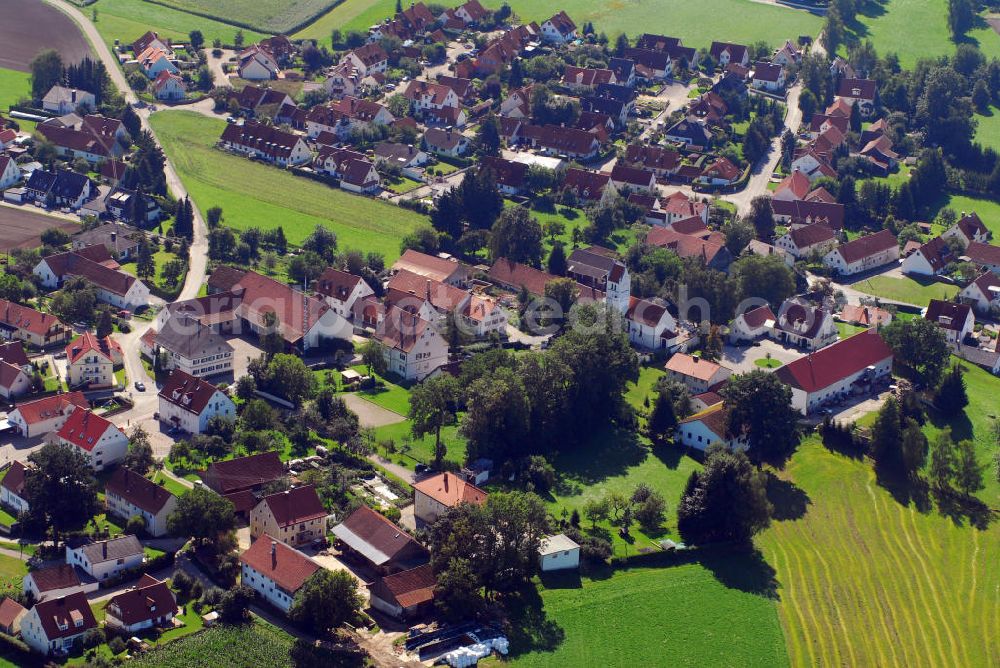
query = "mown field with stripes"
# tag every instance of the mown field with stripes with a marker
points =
(865, 580)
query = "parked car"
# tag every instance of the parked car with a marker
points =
(140, 386)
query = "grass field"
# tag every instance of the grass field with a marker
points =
(160, 259)
(697, 23)
(265, 15)
(906, 289)
(867, 580)
(12, 571)
(846, 329)
(127, 20)
(252, 194)
(669, 613)
(13, 86)
(988, 128)
(987, 209)
(917, 29)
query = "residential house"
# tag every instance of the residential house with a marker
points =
(588, 186)
(448, 271)
(9, 173)
(354, 171)
(107, 558)
(803, 242)
(836, 371)
(860, 94)
(600, 269)
(713, 252)
(152, 40)
(787, 55)
(275, 571)
(152, 61)
(930, 259)
(955, 320)
(150, 604)
(752, 325)
(435, 495)
(425, 95)
(768, 77)
(413, 347)
(969, 228)
(256, 63)
(61, 188)
(265, 142)
(801, 324)
(341, 290)
(121, 241)
(558, 553)
(371, 539)
(341, 117)
(189, 403)
(404, 595)
(121, 205)
(580, 79)
(984, 255)
(367, 59)
(53, 581)
(11, 614)
(259, 100)
(517, 103)
(691, 131)
(983, 293)
(559, 29)
(113, 286)
(508, 173)
(679, 207)
(129, 494)
(46, 415)
(448, 142)
(101, 443)
(879, 154)
(650, 325)
(697, 373)
(985, 357)
(185, 344)
(406, 157)
(482, 315)
(725, 53)
(295, 516)
(169, 87)
(709, 107)
(624, 70)
(237, 479)
(757, 247)
(56, 625)
(12, 495)
(863, 254)
(702, 429)
(865, 316)
(557, 140)
(632, 179)
(721, 172)
(91, 361)
(663, 162)
(469, 13)
(16, 372)
(793, 187)
(798, 213)
(61, 100)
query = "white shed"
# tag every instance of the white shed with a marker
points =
(558, 552)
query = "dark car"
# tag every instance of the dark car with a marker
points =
(139, 385)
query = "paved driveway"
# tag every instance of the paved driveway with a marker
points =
(742, 359)
(370, 415)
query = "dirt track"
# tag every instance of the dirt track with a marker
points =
(30, 26)
(21, 228)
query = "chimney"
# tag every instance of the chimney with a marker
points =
(104, 549)
(73, 99)
(274, 553)
(428, 289)
(446, 482)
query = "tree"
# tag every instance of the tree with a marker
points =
(496, 422)
(886, 437)
(651, 509)
(196, 39)
(213, 216)
(517, 237)
(234, 606)
(913, 448)
(662, 419)
(951, 397)
(597, 510)
(373, 355)
(760, 407)
(762, 217)
(326, 600)
(140, 452)
(456, 594)
(289, 377)
(961, 15)
(920, 345)
(60, 489)
(834, 30)
(739, 233)
(968, 470)
(621, 44)
(943, 463)
(238, 40)
(105, 324)
(488, 136)
(764, 277)
(726, 501)
(46, 71)
(557, 259)
(145, 267)
(172, 271)
(433, 404)
(202, 515)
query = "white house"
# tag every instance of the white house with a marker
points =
(559, 29)
(184, 343)
(598, 268)
(113, 286)
(257, 64)
(801, 324)
(769, 77)
(752, 324)
(983, 293)
(53, 581)
(61, 100)
(969, 228)
(802, 242)
(129, 494)
(55, 625)
(955, 320)
(46, 415)
(367, 59)
(91, 361)
(100, 442)
(482, 315)
(834, 372)
(107, 558)
(698, 374)
(413, 347)
(702, 429)
(650, 325)
(275, 571)
(863, 254)
(12, 489)
(169, 87)
(295, 516)
(188, 403)
(150, 603)
(152, 61)
(558, 553)
(434, 496)
(9, 173)
(930, 259)
(341, 290)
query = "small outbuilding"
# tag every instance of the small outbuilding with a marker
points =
(558, 552)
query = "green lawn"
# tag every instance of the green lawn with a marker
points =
(267, 15)
(847, 330)
(697, 23)
(12, 570)
(160, 259)
(907, 289)
(988, 128)
(766, 363)
(13, 86)
(421, 449)
(127, 20)
(672, 612)
(917, 29)
(168, 483)
(865, 579)
(401, 185)
(253, 194)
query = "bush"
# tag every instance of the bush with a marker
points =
(235, 604)
(392, 513)
(116, 645)
(93, 637)
(182, 585)
(212, 596)
(135, 525)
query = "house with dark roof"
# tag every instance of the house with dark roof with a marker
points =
(801, 324)
(413, 347)
(129, 494)
(929, 259)
(451, 143)
(121, 205)
(60, 188)
(983, 293)
(253, 99)
(861, 94)
(651, 326)
(121, 241)
(61, 100)
(557, 140)
(150, 604)
(583, 78)
(768, 77)
(863, 254)
(275, 571)
(600, 269)
(107, 558)
(12, 495)
(725, 53)
(371, 539)
(341, 290)
(367, 59)
(54, 626)
(509, 174)
(114, 286)
(587, 186)
(102, 443)
(435, 495)
(407, 157)
(295, 516)
(955, 320)
(690, 131)
(265, 142)
(663, 162)
(404, 595)
(851, 366)
(16, 372)
(632, 179)
(559, 29)
(969, 228)
(53, 581)
(354, 171)
(796, 213)
(241, 474)
(983, 255)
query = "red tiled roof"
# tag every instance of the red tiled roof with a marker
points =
(336, 284)
(145, 602)
(644, 311)
(428, 266)
(983, 254)
(377, 538)
(89, 343)
(400, 329)
(299, 504)
(810, 235)
(233, 475)
(138, 490)
(59, 616)
(829, 365)
(678, 204)
(84, 428)
(796, 182)
(757, 317)
(586, 184)
(685, 245)
(267, 139)
(867, 316)
(83, 263)
(449, 490)
(865, 246)
(10, 610)
(518, 275)
(715, 417)
(442, 296)
(408, 588)
(46, 407)
(695, 367)
(285, 566)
